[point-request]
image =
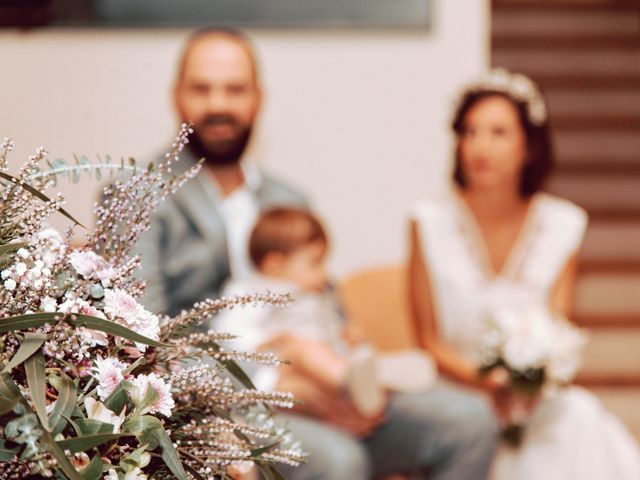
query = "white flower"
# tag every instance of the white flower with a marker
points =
(5, 273)
(50, 235)
(97, 411)
(10, 284)
(528, 337)
(23, 253)
(565, 360)
(164, 401)
(111, 475)
(21, 268)
(533, 338)
(135, 474)
(48, 304)
(109, 372)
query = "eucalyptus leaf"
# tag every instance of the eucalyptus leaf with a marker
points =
(87, 442)
(93, 471)
(234, 369)
(67, 395)
(58, 453)
(255, 452)
(89, 426)
(150, 430)
(36, 380)
(37, 193)
(31, 320)
(112, 328)
(169, 453)
(141, 427)
(28, 346)
(117, 400)
(12, 247)
(270, 472)
(34, 320)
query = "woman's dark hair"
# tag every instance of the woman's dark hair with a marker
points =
(539, 158)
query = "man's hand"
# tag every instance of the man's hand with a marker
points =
(326, 405)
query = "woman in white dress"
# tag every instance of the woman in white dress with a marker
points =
(496, 241)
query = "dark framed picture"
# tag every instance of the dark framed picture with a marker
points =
(198, 13)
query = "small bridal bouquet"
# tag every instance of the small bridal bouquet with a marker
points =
(92, 385)
(537, 349)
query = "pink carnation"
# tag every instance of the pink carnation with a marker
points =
(109, 372)
(124, 309)
(88, 264)
(163, 404)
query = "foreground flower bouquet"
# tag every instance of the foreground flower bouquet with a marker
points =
(94, 386)
(538, 350)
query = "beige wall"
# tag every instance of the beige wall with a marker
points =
(356, 119)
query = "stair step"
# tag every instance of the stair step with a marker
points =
(599, 192)
(566, 60)
(562, 40)
(574, 5)
(629, 216)
(622, 402)
(615, 122)
(597, 167)
(607, 241)
(585, 146)
(582, 81)
(565, 21)
(610, 267)
(593, 102)
(612, 352)
(607, 292)
(608, 322)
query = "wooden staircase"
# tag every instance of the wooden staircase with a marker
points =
(585, 54)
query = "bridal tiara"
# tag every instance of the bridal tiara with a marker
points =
(519, 87)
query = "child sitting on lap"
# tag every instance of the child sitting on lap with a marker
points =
(288, 248)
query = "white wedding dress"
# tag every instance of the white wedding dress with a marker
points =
(570, 436)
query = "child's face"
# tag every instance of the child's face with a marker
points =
(306, 266)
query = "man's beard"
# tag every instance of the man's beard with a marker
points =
(223, 152)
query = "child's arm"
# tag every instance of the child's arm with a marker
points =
(311, 359)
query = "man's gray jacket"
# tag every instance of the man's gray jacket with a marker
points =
(184, 253)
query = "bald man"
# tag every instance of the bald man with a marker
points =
(199, 236)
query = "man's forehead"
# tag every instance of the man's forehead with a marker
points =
(218, 56)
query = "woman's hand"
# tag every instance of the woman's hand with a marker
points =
(512, 407)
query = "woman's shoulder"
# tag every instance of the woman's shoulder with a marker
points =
(560, 211)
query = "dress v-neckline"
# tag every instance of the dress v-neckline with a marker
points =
(479, 248)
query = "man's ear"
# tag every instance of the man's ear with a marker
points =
(259, 101)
